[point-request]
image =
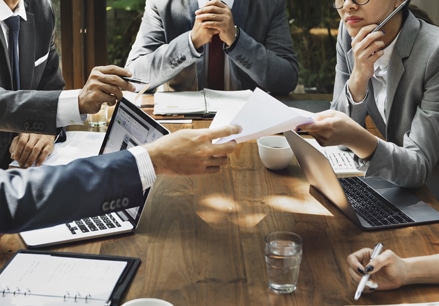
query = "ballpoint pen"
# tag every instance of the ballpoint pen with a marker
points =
(376, 251)
(134, 80)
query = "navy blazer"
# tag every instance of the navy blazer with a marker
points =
(39, 70)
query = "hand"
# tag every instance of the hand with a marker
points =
(336, 128)
(104, 85)
(188, 152)
(367, 49)
(28, 149)
(217, 18)
(387, 270)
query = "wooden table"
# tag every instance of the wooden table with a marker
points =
(201, 240)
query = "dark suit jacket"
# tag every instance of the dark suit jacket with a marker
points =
(263, 56)
(39, 70)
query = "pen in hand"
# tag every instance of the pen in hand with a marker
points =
(376, 251)
(134, 80)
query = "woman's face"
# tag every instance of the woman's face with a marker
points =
(357, 16)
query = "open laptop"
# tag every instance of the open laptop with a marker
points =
(129, 126)
(357, 197)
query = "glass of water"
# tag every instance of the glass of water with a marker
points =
(283, 255)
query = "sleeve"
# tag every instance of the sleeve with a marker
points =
(48, 195)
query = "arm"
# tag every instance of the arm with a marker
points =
(389, 271)
(269, 60)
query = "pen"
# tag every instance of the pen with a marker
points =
(134, 80)
(390, 16)
(376, 251)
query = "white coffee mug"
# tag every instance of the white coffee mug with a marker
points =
(147, 302)
(275, 152)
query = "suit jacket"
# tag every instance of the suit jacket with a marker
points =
(39, 70)
(263, 56)
(49, 195)
(410, 156)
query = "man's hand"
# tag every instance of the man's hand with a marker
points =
(104, 85)
(215, 18)
(28, 149)
(188, 151)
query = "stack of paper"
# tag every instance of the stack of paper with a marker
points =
(260, 115)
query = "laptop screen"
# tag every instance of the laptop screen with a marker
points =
(129, 127)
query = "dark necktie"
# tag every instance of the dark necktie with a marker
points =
(215, 79)
(13, 24)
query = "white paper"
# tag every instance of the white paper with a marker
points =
(47, 279)
(79, 144)
(261, 115)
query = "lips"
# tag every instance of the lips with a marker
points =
(353, 19)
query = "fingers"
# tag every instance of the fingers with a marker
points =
(104, 85)
(29, 149)
(217, 16)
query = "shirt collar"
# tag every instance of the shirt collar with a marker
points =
(384, 60)
(6, 12)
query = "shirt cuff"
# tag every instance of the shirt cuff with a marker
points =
(351, 100)
(145, 166)
(68, 109)
(197, 53)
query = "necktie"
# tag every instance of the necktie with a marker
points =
(13, 24)
(215, 79)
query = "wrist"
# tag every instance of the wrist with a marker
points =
(235, 39)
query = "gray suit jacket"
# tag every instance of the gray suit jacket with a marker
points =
(39, 70)
(263, 56)
(410, 156)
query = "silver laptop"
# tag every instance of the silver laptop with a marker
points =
(370, 202)
(129, 126)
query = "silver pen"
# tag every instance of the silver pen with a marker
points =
(376, 251)
(393, 13)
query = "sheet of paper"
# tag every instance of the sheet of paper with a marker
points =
(261, 115)
(215, 99)
(79, 144)
(183, 102)
(46, 278)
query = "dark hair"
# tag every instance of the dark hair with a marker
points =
(420, 13)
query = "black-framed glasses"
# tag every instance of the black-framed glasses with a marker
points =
(338, 4)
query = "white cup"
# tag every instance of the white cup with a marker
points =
(147, 302)
(275, 152)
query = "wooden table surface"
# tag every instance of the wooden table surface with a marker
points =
(201, 240)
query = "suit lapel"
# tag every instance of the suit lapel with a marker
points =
(5, 74)
(239, 12)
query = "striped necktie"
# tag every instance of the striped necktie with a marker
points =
(13, 24)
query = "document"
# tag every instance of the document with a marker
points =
(43, 278)
(204, 103)
(260, 115)
(78, 144)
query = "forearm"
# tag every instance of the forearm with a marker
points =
(422, 270)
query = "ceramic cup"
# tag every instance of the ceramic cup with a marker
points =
(147, 302)
(275, 152)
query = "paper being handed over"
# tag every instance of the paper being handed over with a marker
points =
(260, 115)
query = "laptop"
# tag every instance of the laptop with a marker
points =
(372, 203)
(129, 126)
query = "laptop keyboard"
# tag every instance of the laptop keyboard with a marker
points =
(370, 205)
(93, 224)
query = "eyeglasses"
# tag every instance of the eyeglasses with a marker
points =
(338, 4)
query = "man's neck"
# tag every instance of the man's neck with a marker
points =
(13, 4)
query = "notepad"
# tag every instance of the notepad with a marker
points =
(204, 102)
(43, 278)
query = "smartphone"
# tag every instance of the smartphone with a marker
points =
(390, 16)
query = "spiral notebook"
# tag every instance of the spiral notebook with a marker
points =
(57, 278)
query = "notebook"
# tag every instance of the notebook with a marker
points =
(129, 126)
(361, 199)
